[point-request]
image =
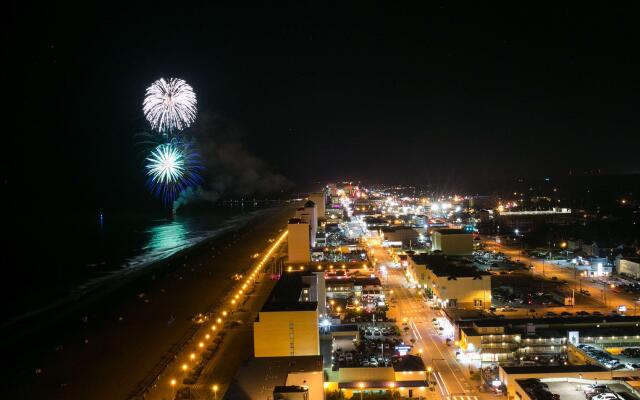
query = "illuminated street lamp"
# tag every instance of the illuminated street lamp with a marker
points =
(215, 391)
(184, 367)
(361, 386)
(173, 385)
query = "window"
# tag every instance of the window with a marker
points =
(477, 302)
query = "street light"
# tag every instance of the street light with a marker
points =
(215, 391)
(173, 386)
(361, 386)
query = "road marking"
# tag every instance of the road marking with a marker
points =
(437, 374)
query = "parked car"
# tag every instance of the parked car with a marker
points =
(605, 396)
(566, 314)
(582, 314)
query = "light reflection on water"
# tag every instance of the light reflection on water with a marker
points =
(165, 237)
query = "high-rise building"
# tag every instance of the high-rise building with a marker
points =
(298, 241)
(320, 200)
(287, 325)
(308, 214)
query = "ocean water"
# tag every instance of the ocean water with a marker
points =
(53, 259)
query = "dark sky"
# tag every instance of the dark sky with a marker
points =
(317, 90)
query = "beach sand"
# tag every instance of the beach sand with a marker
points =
(104, 349)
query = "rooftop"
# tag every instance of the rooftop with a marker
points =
(452, 231)
(552, 369)
(409, 363)
(286, 294)
(442, 265)
(290, 389)
(359, 281)
(586, 321)
(256, 378)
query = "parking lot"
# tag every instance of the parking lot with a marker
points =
(628, 358)
(577, 389)
(593, 391)
(375, 348)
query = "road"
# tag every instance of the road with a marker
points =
(410, 310)
(599, 291)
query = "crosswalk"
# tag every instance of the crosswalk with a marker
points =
(462, 397)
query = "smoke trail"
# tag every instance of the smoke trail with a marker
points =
(229, 168)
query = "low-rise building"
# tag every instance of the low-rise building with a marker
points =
(549, 339)
(279, 378)
(343, 287)
(449, 282)
(407, 378)
(629, 266)
(452, 242)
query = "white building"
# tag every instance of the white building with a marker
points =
(629, 266)
(320, 200)
(308, 213)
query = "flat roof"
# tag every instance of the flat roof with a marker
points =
(551, 369)
(452, 231)
(590, 320)
(442, 265)
(286, 294)
(458, 271)
(382, 384)
(409, 363)
(290, 389)
(256, 377)
(355, 280)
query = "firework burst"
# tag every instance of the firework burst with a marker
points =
(169, 105)
(171, 168)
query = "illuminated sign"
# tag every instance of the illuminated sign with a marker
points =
(403, 349)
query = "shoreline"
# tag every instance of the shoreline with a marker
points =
(78, 299)
(122, 337)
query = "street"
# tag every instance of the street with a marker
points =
(410, 310)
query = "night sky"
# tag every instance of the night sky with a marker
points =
(316, 91)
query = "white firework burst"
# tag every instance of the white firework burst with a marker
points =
(165, 165)
(170, 105)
